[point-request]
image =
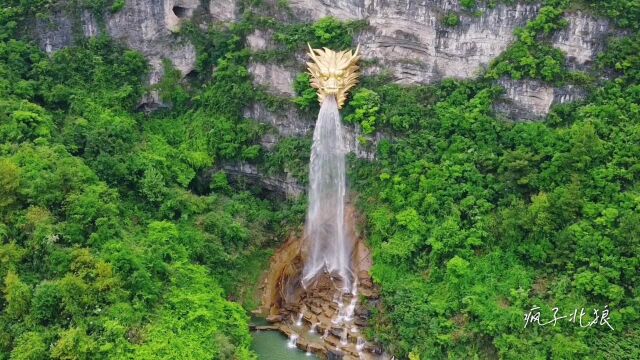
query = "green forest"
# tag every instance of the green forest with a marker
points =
(121, 238)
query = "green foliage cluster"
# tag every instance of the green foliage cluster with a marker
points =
(468, 4)
(119, 238)
(110, 245)
(366, 106)
(474, 221)
(451, 19)
(307, 98)
(326, 32)
(531, 56)
(625, 13)
(14, 13)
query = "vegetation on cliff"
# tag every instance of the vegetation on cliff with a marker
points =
(118, 240)
(113, 243)
(474, 221)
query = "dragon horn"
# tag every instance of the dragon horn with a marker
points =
(355, 53)
(313, 54)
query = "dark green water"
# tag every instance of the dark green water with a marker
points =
(272, 345)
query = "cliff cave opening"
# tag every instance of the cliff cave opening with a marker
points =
(182, 12)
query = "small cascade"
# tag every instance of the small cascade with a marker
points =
(344, 339)
(293, 339)
(348, 313)
(326, 317)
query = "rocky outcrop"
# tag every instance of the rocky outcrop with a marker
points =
(285, 185)
(322, 318)
(531, 100)
(583, 38)
(274, 78)
(361, 145)
(408, 40)
(289, 122)
(149, 26)
(408, 37)
(224, 10)
(57, 31)
(260, 40)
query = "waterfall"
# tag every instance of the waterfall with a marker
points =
(293, 339)
(328, 244)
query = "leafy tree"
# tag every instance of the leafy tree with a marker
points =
(17, 295)
(366, 105)
(30, 346)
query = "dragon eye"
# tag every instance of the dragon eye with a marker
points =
(325, 77)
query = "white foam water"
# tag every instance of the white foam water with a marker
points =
(293, 339)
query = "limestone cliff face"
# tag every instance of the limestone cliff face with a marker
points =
(405, 38)
(408, 37)
(581, 41)
(148, 26)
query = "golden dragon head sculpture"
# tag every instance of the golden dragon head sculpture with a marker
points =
(333, 73)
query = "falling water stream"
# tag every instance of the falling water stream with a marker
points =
(328, 245)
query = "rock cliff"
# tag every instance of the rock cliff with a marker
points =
(405, 38)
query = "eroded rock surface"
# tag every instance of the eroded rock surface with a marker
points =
(285, 185)
(323, 318)
(583, 38)
(406, 38)
(260, 40)
(275, 78)
(288, 122)
(224, 10)
(531, 100)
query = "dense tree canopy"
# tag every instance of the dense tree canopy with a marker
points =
(122, 238)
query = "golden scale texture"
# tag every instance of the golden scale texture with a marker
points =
(333, 73)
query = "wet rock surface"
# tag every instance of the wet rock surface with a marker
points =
(324, 319)
(324, 324)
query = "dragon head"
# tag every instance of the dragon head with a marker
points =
(333, 73)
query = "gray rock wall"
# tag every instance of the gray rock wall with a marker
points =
(526, 100)
(404, 37)
(585, 36)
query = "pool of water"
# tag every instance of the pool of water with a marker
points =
(272, 345)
